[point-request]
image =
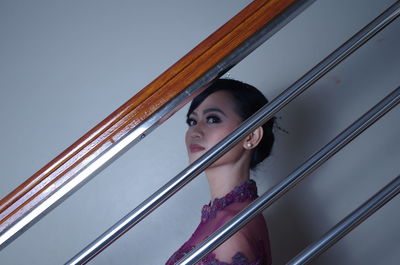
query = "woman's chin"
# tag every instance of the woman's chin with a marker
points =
(194, 156)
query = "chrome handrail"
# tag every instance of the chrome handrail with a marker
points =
(263, 115)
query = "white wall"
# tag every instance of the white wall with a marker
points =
(65, 65)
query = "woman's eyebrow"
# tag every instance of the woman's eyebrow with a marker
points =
(213, 110)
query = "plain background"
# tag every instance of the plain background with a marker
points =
(66, 65)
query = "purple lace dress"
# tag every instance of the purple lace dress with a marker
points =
(249, 246)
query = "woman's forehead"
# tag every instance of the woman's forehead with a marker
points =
(219, 100)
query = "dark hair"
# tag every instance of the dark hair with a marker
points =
(248, 100)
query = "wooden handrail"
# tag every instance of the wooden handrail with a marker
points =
(126, 118)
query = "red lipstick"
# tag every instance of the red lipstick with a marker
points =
(195, 148)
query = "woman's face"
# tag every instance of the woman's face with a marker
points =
(209, 123)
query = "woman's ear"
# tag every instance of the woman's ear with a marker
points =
(254, 138)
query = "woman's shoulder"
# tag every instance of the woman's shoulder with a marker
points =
(232, 210)
(251, 234)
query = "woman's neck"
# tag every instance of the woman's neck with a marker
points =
(224, 179)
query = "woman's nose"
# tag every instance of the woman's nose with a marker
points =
(196, 131)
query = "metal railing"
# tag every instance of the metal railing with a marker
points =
(87, 157)
(263, 115)
(349, 223)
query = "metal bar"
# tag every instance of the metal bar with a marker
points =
(263, 115)
(289, 182)
(348, 223)
(106, 156)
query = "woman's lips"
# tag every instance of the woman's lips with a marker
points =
(195, 148)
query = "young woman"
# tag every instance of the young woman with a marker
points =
(212, 116)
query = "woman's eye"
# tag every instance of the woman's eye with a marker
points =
(213, 119)
(191, 122)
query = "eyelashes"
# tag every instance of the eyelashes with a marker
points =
(209, 119)
(191, 122)
(213, 119)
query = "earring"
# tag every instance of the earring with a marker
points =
(249, 145)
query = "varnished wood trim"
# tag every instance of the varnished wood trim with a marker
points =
(164, 88)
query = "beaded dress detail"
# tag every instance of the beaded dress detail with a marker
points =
(255, 250)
